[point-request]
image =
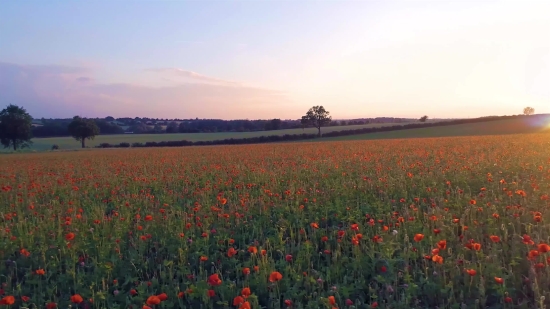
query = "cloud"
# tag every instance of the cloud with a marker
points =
(64, 91)
(83, 79)
(193, 76)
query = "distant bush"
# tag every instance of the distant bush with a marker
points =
(55, 147)
(123, 145)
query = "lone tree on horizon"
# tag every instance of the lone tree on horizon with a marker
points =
(82, 129)
(528, 111)
(423, 118)
(15, 127)
(317, 117)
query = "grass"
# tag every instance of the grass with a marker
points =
(68, 143)
(533, 124)
(420, 223)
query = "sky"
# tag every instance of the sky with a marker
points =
(262, 59)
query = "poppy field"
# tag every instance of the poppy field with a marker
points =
(419, 223)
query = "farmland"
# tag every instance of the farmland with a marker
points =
(421, 223)
(534, 124)
(41, 144)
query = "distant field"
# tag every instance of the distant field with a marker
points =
(531, 124)
(64, 143)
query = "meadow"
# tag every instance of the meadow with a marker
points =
(420, 223)
(68, 143)
(500, 127)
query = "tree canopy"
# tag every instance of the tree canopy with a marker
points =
(15, 127)
(82, 129)
(528, 111)
(317, 117)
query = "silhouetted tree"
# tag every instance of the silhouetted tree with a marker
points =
(423, 118)
(317, 117)
(172, 127)
(528, 111)
(82, 129)
(15, 127)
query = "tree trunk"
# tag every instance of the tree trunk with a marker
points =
(83, 143)
(319, 131)
(14, 145)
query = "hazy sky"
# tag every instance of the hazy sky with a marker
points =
(265, 59)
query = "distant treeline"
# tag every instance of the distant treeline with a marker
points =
(295, 137)
(110, 125)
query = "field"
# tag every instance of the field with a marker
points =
(531, 124)
(42, 144)
(421, 223)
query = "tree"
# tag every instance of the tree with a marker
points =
(82, 129)
(423, 118)
(528, 111)
(317, 117)
(172, 127)
(15, 127)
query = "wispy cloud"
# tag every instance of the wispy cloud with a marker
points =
(194, 76)
(61, 91)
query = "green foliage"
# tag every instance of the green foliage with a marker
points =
(317, 117)
(82, 129)
(15, 127)
(423, 118)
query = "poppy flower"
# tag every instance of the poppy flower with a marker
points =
(51, 305)
(25, 298)
(494, 238)
(214, 280)
(246, 271)
(252, 249)
(231, 252)
(245, 305)
(471, 272)
(40, 272)
(499, 280)
(153, 300)
(275, 276)
(211, 293)
(418, 237)
(527, 240)
(332, 300)
(532, 254)
(162, 296)
(238, 300)
(8, 301)
(543, 248)
(245, 292)
(442, 244)
(437, 259)
(77, 299)
(69, 236)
